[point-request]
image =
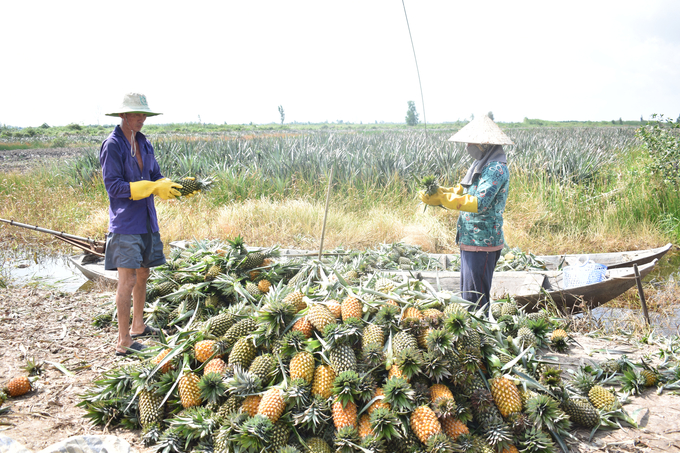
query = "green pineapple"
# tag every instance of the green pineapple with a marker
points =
(219, 324)
(342, 358)
(150, 408)
(403, 340)
(602, 398)
(191, 185)
(581, 412)
(243, 353)
(212, 273)
(238, 330)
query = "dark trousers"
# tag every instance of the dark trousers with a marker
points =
(476, 273)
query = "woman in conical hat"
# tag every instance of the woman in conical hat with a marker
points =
(481, 198)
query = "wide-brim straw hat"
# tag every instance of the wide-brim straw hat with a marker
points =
(483, 131)
(134, 103)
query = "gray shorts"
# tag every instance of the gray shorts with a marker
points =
(132, 251)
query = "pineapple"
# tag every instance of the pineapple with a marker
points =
(167, 366)
(150, 408)
(243, 353)
(320, 316)
(506, 395)
(317, 445)
(215, 365)
(238, 330)
(602, 398)
(378, 403)
(302, 366)
(212, 273)
(18, 386)
(272, 404)
(263, 366)
(365, 426)
(253, 290)
(373, 334)
(304, 326)
(342, 358)
(581, 412)
(191, 185)
(204, 349)
(351, 308)
(264, 285)
(453, 427)
(296, 298)
(424, 423)
(403, 340)
(322, 383)
(251, 404)
(219, 324)
(189, 393)
(335, 307)
(344, 415)
(651, 378)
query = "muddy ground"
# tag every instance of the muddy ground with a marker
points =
(55, 327)
(20, 160)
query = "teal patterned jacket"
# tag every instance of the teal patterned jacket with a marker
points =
(483, 231)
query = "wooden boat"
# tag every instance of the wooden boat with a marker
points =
(613, 260)
(536, 289)
(92, 267)
(531, 289)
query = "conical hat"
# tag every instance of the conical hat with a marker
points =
(483, 131)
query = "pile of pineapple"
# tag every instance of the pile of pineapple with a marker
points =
(314, 356)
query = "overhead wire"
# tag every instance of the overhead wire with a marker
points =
(422, 98)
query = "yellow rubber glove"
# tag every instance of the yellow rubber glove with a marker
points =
(457, 190)
(466, 203)
(164, 188)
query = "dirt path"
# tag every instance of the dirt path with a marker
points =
(56, 328)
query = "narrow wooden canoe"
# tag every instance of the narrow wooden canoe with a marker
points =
(531, 289)
(92, 267)
(537, 289)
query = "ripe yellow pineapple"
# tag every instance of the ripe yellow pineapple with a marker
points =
(344, 416)
(506, 395)
(302, 366)
(335, 307)
(167, 366)
(365, 426)
(438, 391)
(412, 313)
(250, 404)
(395, 371)
(272, 404)
(323, 381)
(18, 386)
(602, 398)
(189, 393)
(453, 427)
(351, 307)
(204, 349)
(320, 316)
(296, 298)
(264, 285)
(377, 404)
(424, 423)
(304, 326)
(215, 365)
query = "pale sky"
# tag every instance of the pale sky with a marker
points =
(236, 61)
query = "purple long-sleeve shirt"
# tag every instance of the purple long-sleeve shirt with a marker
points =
(119, 169)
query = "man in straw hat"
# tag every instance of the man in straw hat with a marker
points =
(132, 177)
(481, 197)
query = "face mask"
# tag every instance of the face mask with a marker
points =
(474, 151)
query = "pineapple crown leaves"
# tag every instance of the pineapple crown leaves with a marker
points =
(292, 342)
(385, 424)
(194, 424)
(298, 393)
(315, 416)
(436, 367)
(399, 395)
(275, 318)
(255, 433)
(347, 332)
(497, 433)
(243, 383)
(388, 316)
(212, 388)
(535, 439)
(347, 440)
(544, 411)
(633, 382)
(440, 443)
(439, 341)
(409, 361)
(345, 387)
(456, 324)
(445, 407)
